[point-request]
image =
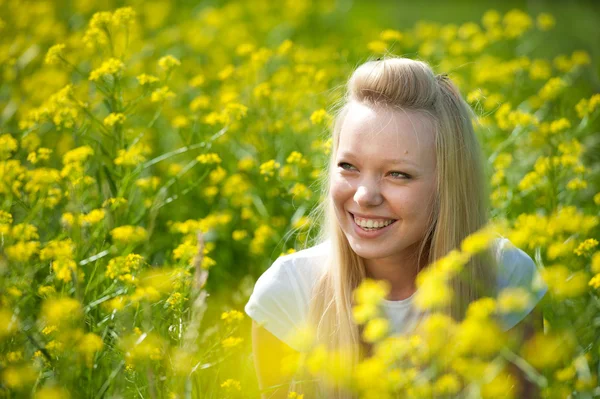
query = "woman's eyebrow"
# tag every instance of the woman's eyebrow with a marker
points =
(393, 161)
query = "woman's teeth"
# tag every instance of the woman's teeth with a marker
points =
(369, 224)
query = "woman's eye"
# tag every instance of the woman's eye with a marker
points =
(341, 165)
(401, 175)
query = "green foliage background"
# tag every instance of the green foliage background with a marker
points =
(256, 84)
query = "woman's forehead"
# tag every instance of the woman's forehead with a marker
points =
(402, 132)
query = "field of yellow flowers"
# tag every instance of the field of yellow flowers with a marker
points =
(126, 131)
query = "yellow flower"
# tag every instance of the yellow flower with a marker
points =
(8, 323)
(433, 290)
(123, 265)
(552, 89)
(503, 385)
(478, 241)
(447, 384)
(377, 46)
(22, 251)
(231, 384)
(129, 234)
(545, 21)
(17, 377)
(514, 299)
(232, 316)
(320, 116)
(550, 350)
(200, 102)
(586, 246)
(371, 292)
(481, 309)
(197, 80)
(8, 145)
(516, 23)
(231, 342)
(112, 66)
(64, 269)
(375, 329)
(267, 169)
(162, 94)
(78, 155)
(563, 284)
(540, 69)
(145, 79)
(123, 16)
(142, 348)
(168, 62)
(134, 155)
(239, 235)
(88, 346)
(114, 119)
(60, 311)
(210, 158)
(94, 216)
(595, 281)
(54, 54)
(52, 393)
(175, 299)
(596, 262)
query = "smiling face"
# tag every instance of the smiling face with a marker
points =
(384, 168)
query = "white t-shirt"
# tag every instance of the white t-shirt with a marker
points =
(281, 297)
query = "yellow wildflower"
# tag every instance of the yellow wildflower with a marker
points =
(545, 21)
(552, 89)
(514, 299)
(8, 145)
(209, 158)
(129, 234)
(52, 393)
(88, 346)
(231, 342)
(375, 329)
(112, 66)
(17, 377)
(596, 262)
(114, 119)
(168, 62)
(549, 351)
(231, 384)
(586, 246)
(22, 251)
(8, 323)
(197, 80)
(54, 54)
(145, 79)
(232, 316)
(239, 235)
(134, 155)
(161, 94)
(64, 268)
(320, 116)
(267, 169)
(60, 311)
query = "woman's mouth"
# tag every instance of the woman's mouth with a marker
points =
(371, 227)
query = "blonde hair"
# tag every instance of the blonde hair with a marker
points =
(459, 208)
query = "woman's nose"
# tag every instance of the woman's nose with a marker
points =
(368, 195)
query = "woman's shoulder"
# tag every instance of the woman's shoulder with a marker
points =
(281, 296)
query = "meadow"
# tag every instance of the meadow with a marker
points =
(156, 157)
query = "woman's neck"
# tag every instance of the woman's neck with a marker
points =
(401, 273)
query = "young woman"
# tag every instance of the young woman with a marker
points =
(405, 185)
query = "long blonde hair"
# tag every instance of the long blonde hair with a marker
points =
(460, 205)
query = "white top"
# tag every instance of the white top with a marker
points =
(281, 296)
